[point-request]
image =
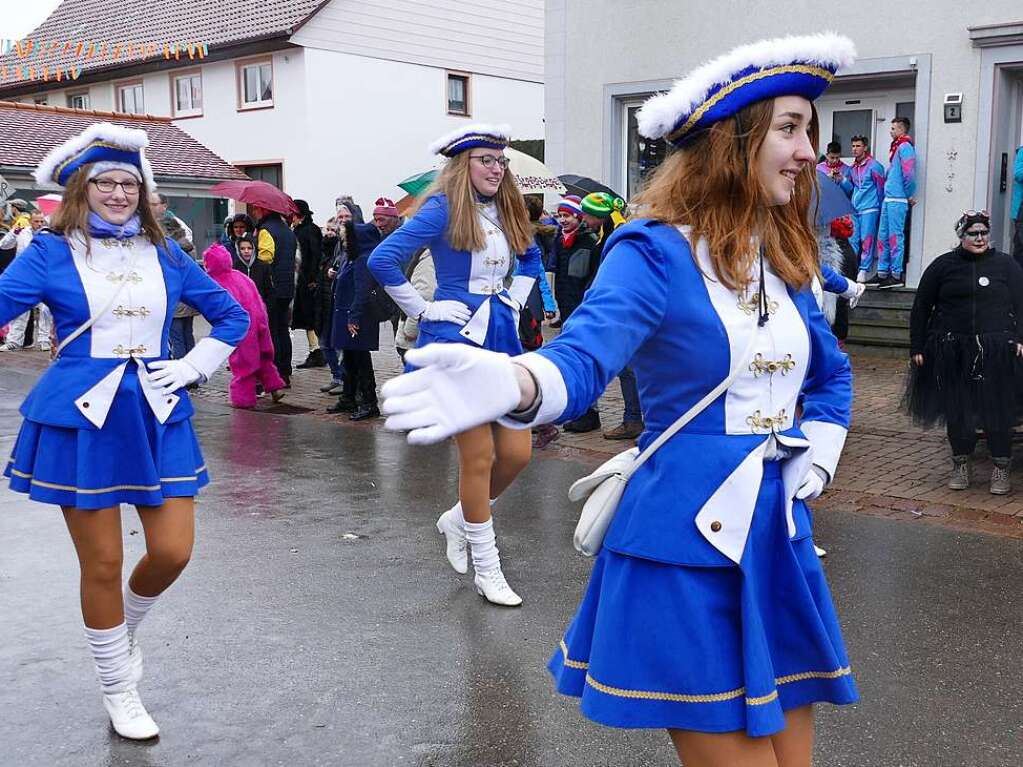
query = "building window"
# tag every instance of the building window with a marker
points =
(129, 99)
(458, 94)
(257, 85)
(41, 100)
(642, 155)
(78, 100)
(188, 95)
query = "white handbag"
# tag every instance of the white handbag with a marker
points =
(603, 488)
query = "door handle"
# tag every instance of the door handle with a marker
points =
(1003, 177)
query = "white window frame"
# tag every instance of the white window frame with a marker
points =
(191, 111)
(119, 97)
(79, 94)
(242, 66)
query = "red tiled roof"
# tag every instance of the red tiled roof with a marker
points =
(29, 131)
(156, 22)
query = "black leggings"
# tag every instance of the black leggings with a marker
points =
(998, 442)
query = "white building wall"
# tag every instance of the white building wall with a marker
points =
(657, 40)
(258, 136)
(370, 122)
(498, 37)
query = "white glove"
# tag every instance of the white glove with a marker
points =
(447, 311)
(171, 375)
(853, 293)
(813, 484)
(456, 388)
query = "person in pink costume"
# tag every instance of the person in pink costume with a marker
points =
(252, 361)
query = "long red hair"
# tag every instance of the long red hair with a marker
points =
(712, 185)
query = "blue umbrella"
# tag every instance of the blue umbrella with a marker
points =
(833, 201)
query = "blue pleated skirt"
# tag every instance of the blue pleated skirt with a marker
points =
(502, 333)
(133, 459)
(709, 649)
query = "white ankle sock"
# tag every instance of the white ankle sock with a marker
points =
(483, 544)
(135, 608)
(110, 651)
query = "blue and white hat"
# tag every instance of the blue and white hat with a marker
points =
(106, 147)
(786, 66)
(470, 136)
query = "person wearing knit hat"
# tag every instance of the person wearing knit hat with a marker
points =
(475, 224)
(386, 216)
(574, 270)
(708, 545)
(109, 422)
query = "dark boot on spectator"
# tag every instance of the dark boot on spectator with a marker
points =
(364, 412)
(1000, 484)
(343, 405)
(626, 430)
(588, 421)
(314, 360)
(960, 477)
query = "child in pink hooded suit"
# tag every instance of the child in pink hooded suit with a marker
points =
(252, 361)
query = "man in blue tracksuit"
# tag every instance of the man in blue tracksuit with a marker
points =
(899, 194)
(865, 185)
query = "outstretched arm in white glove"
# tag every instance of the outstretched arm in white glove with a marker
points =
(456, 388)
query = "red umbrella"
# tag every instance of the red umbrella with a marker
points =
(257, 193)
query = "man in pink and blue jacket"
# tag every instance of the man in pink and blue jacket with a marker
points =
(865, 186)
(899, 194)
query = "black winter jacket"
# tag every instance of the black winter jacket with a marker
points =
(960, 292)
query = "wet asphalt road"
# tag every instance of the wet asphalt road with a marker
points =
(289, 641)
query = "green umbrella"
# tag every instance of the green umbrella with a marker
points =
(417, 184)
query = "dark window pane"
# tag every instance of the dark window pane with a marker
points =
(848, 123)
(456, 94)
(251, 84)
(265, 83)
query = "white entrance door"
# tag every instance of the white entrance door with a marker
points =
(870, 114)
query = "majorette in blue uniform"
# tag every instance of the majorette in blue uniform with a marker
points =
(97, 432)
(476, 279)
(707, 609)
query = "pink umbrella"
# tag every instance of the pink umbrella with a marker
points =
(256, 193)
(48, 203)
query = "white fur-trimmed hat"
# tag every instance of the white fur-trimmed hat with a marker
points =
(106, 145)
(469, 136)
(785, 66)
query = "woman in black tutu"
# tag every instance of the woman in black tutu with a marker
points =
(965, 333)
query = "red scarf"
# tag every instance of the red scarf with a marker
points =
(896, 143)
(568, 238)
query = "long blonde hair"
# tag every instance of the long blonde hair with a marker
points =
(72, 217)
(464, 230)
(712, 185)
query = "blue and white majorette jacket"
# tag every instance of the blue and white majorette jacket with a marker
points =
(476, 279)
(653, 303)
(78, 389)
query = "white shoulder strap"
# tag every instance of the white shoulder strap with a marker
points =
(696, 409)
